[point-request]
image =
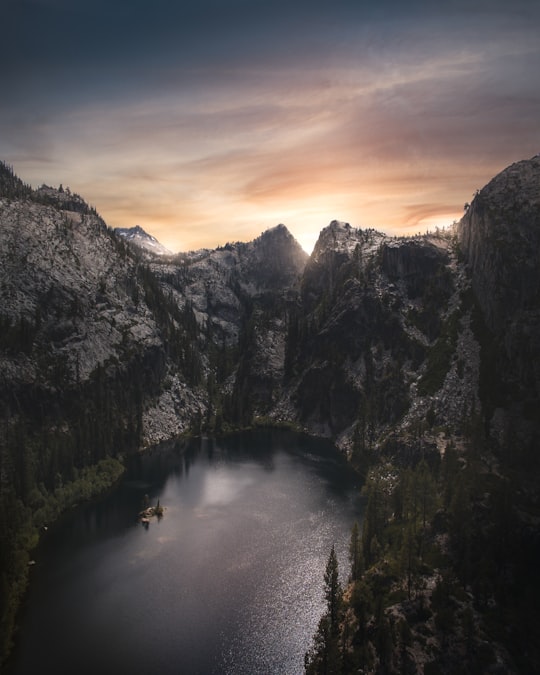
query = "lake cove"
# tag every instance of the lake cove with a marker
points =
(229, 580)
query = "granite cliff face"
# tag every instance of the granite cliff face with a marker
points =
(398, 349)
(240, 294)
(370, 311)
(362, 342)
(500, 239)
(80, 305)
(141, 240)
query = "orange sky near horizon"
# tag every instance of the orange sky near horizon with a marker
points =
(205, 124)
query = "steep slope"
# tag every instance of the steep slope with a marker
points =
(88, 343)
(75, 307)
(142, 241)
(61, 275)
(418, 356)
(500, 239)
(443, 575)
(102, 353)
(240, 294)
(372, 310)
(220, 283)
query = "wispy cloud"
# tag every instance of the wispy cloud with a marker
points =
(204, 124)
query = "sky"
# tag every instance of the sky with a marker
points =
(209, 121)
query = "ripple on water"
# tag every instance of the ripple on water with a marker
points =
(230, 581)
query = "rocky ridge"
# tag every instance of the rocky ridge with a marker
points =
(500, 239)
(142, 240)
(61, 270)
(396, 348)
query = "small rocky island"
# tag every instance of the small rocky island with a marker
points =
(149, 512)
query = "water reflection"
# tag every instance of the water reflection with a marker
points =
(229, 581)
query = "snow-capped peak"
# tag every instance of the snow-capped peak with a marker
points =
(140, 238)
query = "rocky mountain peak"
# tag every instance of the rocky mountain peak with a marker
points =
(504, 219)
(274, 260)
(340, 238)
(377, 342)
(278, 229)
(499, 236)
(139, 238)
(519, 179)
(277, 237)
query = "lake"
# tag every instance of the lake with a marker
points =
(229, 581)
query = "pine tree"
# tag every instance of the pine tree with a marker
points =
(409, 561)
(325, 657)
(356, 554)
(332, 591)
(375, 517)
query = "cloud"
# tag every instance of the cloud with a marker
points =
(213, 120)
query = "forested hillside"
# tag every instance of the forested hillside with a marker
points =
(443, 571)
(417, 356)
(88, 339)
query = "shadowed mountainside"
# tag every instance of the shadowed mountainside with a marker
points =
(416, 354)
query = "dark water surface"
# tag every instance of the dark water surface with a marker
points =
(229, 581)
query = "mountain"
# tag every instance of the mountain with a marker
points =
(371, 307)
(77, 307)
(500, 238)
(418, 356)
(142, 240)
(104, 350)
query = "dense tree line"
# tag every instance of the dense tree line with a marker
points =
(59, 426)
(13, 188)
(443, 547)
(50, 440)
(441, 553)
(61, 436)
(253, 390)
(178, 326)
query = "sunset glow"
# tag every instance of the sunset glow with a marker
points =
(205, 126)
